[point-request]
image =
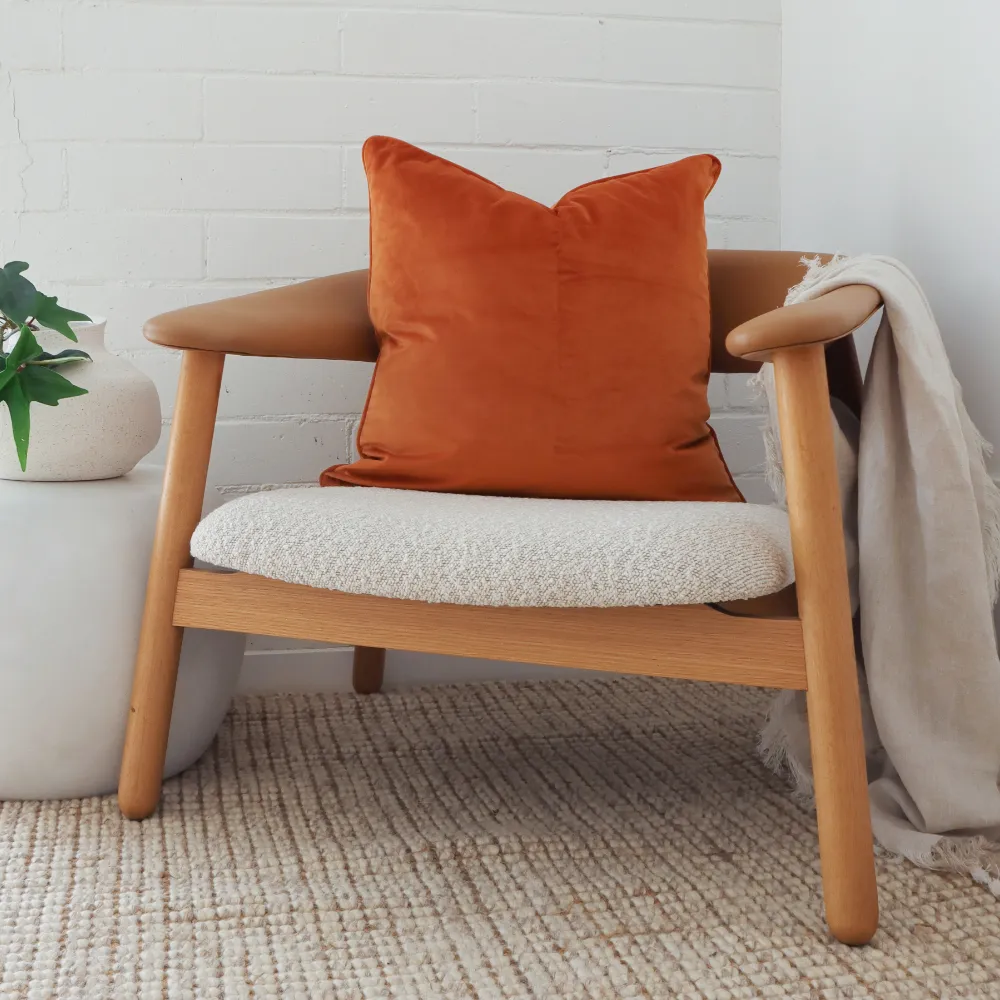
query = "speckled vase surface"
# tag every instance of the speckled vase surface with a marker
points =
(97, 436)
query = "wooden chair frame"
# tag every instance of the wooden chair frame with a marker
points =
(769, 642)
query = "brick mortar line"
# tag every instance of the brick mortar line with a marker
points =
(291, 214)
(209, 74)
(355, 144)
(727, 412)
(416, 8)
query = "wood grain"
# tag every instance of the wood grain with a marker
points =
(369, 669)
(838, 757)
(690, 641)
(826, 318)
(160, 640)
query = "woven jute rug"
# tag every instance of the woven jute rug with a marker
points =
(597, 838)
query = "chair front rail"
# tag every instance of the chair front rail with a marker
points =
(685, 641)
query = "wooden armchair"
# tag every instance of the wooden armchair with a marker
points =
(799, 639)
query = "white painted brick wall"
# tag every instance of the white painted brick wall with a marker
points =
(64, 106)
(159, 153)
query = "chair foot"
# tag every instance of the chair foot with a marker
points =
(148, 725)
(369, 668)
(858, 927)
(138, 805)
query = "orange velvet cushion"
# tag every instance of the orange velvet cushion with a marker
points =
(534, 351)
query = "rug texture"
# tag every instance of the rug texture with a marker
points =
(581, 839)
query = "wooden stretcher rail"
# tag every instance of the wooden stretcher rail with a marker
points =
(687, 641)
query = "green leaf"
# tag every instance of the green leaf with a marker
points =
(17, 294)
(48, 313)
(66, 357)
(25, 378)
(26, 349)
(42, 385)
(20, 419)
(21, 301)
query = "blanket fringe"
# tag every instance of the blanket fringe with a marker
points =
(775, 749)
(774, 473)
(974, 856)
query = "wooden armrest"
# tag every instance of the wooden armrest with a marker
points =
(323, 318)
(833, 315)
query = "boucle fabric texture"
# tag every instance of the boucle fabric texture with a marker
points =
(579, 840)
(502, 551)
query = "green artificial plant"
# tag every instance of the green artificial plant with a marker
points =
(27, 372)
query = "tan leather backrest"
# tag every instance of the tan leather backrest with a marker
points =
(746, 283)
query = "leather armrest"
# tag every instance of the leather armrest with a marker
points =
(829, 317)
(323, 318)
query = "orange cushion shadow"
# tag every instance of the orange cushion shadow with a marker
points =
(535, 351)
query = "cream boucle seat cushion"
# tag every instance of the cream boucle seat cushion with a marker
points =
(502, 551)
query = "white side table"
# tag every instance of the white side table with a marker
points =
(73, 564)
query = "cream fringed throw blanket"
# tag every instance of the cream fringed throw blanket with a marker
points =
(924, 524)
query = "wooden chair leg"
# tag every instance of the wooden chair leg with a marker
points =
(369, 667)
(160, 640)
(837, 742)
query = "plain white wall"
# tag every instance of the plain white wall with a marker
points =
(890, 144)
(155, 154)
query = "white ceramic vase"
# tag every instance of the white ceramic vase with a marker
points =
(97, 436)
(73, 572)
